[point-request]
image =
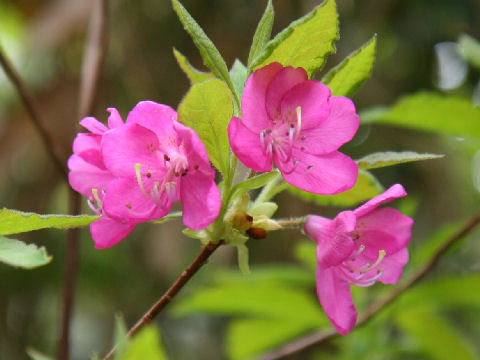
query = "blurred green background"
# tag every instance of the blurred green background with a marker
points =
(416, 51)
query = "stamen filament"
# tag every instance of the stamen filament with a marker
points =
(139, 179)
(381, 255)
(299, 122)
(97, 198)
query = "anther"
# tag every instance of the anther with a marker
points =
(148, 174)
(381, 255)
(195, 167)
(309, 168)
(128, 205)
(165, 157)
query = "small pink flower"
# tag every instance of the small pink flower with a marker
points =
(358, 247)
(296, 124)
(89, 176)
(158, 161)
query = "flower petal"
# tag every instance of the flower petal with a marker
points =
(201, 200)
(287, 78)
(312, 97)
(87, 146)
(83, 176)
(114, 120)
(125, 200)
(193, 149)
(394, 192)
(93, 125)
(108, 232)
(336, 245)
(254, 111)
(338, 128)
(386, 229)
(320, 174)
(247, 147)
(158, 118)
(392, 267)
(336, 299)
(128, 145)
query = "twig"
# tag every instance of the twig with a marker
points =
(52, 148)
(186, 275)
(95, 50)
(318, 337)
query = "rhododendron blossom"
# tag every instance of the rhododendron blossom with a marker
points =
(134, 172)
(89, 176)
(296, 124)
(358, 247)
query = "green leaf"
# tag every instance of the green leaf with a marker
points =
(253, 183)
(367, 187)
(36, 355)
(349, 75)
(194, 75)
(431, 112)
(18, 254)
(388, 158)
(210, 55)
(14, 222)
(145, 345)
(207, 108)
(239, 76)
(470, 49)
(120, 338)
(306, 42)
(435, 336)
(262, 33)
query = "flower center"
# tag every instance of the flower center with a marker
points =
(362, 273)
(176, 165)
(278, 141)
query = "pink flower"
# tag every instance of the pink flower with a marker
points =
(89, 176)
(157, 161)
(358, 247)
(296, 124)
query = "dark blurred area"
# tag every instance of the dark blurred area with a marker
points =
(45, 41)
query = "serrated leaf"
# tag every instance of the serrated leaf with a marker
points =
(306, 42)
(367, 187)
(15, 222)
(207, 108)
(145, 345)
(436, 337)
(238, 73)
(17, 253)
(349, 75)
(262, 33)
(253, 183)
(470, 49)
(389, 158)
(210, 55)
(194, 75)
(444, 114)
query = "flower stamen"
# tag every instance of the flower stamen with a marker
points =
(139, 179)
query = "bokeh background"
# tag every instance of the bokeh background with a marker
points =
(416, 51)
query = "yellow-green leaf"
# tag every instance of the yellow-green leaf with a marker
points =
(367, 187)
(306, 42)
(14, 222)
(349, 75)
(17, 253)
(444, 114)
(207, 108)
(194, 75)
(389, 158)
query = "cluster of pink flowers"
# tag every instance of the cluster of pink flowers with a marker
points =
(133, 172)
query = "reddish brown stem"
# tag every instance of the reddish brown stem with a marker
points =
(95, 50)
(318, 337)
(53, 149)
(184, 277)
